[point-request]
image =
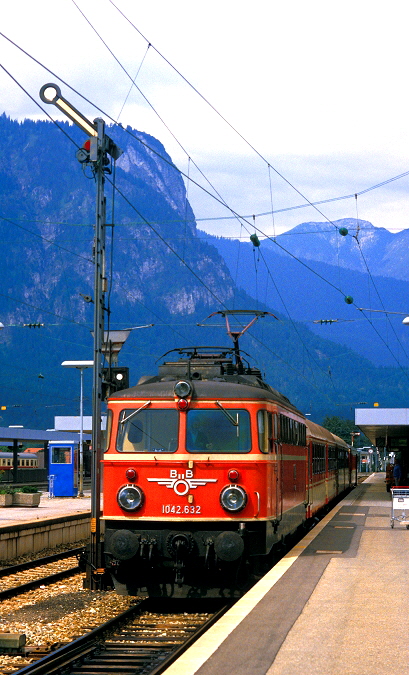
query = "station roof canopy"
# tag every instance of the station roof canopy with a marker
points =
(385, 423)
(22, 434)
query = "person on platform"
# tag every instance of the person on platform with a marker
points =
(389, 476)
(397, 474)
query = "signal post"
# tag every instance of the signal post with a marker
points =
(94, 154)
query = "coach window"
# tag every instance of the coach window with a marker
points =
(332, 458)
(318, 458)
(265, 430)
(145, 430)
(225, 430)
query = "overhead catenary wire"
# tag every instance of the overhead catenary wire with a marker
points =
(133, 84)
(219, 301)
(235, 214)
(45, 239)
(280, 358)
(231, 126)
(199, 279)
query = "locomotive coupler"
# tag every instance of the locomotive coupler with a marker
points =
(179, 546)
(209, 543)
(144, 542)
(152, 544)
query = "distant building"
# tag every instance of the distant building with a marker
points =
(40, 454)
(73, 422)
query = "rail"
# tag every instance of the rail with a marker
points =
(118, 641)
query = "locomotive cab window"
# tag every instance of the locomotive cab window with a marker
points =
(218, 431)
(142, 430)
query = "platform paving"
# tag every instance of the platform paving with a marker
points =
(355, 621)
(335, 605)
(48, 508)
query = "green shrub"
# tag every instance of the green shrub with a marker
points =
(27, 489)
(7, 490)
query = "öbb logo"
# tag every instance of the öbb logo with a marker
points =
(181, 483)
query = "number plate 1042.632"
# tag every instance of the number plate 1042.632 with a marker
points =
(180, 510)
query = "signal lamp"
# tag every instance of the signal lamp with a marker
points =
(182, 389)
(183, 404)
(131, 474)
(233, 498)
(114, 379)
(130, 497)
(233, 475)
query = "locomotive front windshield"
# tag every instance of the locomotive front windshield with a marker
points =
(218, 431)
(142, 430)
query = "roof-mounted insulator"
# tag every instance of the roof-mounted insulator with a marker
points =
(255, 240)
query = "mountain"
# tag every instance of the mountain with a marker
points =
(159, 271)
(385, 253)
(306, 288)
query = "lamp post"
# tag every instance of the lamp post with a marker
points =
(81, 366)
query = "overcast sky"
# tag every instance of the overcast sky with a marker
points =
(318, 88)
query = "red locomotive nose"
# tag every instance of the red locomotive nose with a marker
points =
(233, 475)
(131, 474)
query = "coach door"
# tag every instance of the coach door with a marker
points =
(278, 449)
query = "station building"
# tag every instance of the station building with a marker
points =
(388, 430)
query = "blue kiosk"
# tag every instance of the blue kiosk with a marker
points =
(63, 470)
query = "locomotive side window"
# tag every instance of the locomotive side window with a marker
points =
(292, 431)
(147, 431)
(214, 431)
(265, 430)
(107, 434)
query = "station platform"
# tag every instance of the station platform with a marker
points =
(30, 529)
(47, 508)
(334, 605)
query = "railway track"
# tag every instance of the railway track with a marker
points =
(146, 639)
(17, 579)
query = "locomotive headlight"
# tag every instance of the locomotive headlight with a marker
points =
(233, 498)
(182, 389)
(130, 497)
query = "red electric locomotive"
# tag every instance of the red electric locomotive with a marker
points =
(207, 468)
